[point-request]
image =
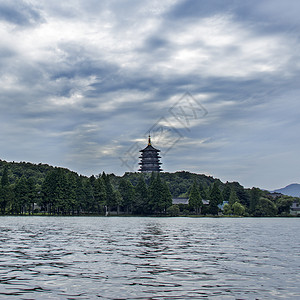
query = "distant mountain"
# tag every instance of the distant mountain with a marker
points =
(290, 190)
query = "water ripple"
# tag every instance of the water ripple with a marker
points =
(149, 258)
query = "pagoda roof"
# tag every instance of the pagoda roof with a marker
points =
(149, 147)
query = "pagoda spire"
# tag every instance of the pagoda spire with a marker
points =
(149, 140)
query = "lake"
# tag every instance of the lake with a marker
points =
(149, 258)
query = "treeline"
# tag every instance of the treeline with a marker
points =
(63, 192)
(29, 189)
(233, 199)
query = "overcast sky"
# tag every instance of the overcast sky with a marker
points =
(216, 82)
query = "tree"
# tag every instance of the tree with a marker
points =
(227, 209)
(215, 199)
(32, 194)
(255, 194)
(216, 193)
(21, 200)
(203, 192)
(55, 192)
(89, 197)
(159, 195)
(118, 199)
(166, 196)
(195, 201)
(283, 204)
(238, 209)
(226, 192)
(110, 195)
(6, 194)
(80, 195)
(265, 208)
(173, 210)
(141, 196)
(126, 190)
(100, 193)
(4, 178)
(233, 197)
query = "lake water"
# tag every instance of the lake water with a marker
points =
(149, 258)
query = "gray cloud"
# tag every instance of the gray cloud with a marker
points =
(19, 13)
(81, 83)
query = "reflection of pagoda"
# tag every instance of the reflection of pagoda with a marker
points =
(150, 159)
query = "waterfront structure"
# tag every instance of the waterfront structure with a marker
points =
(295, 209)
(150, 159)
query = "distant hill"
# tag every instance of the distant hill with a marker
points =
(290, 190)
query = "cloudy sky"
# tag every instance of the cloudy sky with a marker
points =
(216, 82)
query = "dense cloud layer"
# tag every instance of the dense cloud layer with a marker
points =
(82, 82)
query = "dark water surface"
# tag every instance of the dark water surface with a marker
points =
(143, 258)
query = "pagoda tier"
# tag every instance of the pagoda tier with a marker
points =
(150, 159)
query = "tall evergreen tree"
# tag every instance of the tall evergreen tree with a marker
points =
(126, 190)
(233, 197)
(167, 197)
(110, 195)
(202, 191)
(226, 192)
(255, 195)
(6, 194)
(32, 194)
(100, 194)
(215, 199)
(80, 195)
(159, 195)
(141, 196)
(216, 193)
(71, 202)
(21, 196)
(195, 200)
(4, 178)
(89, 198)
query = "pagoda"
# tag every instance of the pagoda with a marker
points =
(150, 159)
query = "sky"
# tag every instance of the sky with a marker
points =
(216, 83)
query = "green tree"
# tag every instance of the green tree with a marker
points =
(32, 194)
(100, 194)
(118, 199)
(126, 190)
(55, 192)
(160, 197)
(80, 194)
(89, 197)
(233, 197)
(283, 204)
(6, 193)
(195, 201)
(265, 208)
(215, 199)
(166, 196)
(71, 201)
(255, 194)
(173, 210)
(141, 196)
(21, 198)
(4, 178)
(227, 209)
(226, 192)
(238, 209)
(110, 195)
(203, 191)
(216, 193)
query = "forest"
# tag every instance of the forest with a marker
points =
(31, 189)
